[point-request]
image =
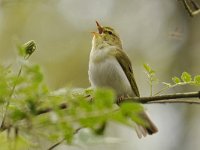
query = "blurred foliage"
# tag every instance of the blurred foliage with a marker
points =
(26, 93)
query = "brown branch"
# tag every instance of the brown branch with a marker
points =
(56, 144)
(170, 98)
(191, 6)
(48, 109)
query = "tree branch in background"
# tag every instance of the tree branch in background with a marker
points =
(191, 6)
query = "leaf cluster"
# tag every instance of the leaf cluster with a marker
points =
(24, 93)
(184, 79)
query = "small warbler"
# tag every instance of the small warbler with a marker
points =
(109, 66)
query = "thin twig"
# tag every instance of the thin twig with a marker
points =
(171, 86)
(10, 96)
(59, 142)
(56, 144)
(46, 110)
(175, 101)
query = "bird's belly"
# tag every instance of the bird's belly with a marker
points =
(109, 73)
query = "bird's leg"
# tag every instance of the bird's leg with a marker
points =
(120, 99)
(89, 98)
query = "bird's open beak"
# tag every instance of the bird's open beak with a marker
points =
(99, 27)
(95, 34)
(100, 30)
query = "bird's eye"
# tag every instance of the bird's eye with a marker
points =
(109, 32)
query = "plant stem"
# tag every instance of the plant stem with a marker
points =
(172, 86)
(10, 96)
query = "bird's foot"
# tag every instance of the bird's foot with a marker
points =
(89, 98)
(120, 99)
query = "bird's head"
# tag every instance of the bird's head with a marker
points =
(106, 36)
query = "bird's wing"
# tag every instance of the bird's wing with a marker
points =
(125, 63)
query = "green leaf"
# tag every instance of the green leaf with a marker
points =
(99, 130)
(133, 110)
(197, 79)
(103, 98)
(21, 51)
(176, 80)
(117, 116)
(130, 108)
(186, 77)
(84, 106)
(89, 91)
(94, 121)
(16, 113)
(31, 104)
(68, 131)
(148, 69)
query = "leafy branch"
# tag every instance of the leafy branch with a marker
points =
(25, 50)
(152, 79)
(185, 79)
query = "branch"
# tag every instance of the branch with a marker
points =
(60, 142)
(191, 6)
(170, 98)
(46, 110)
(56, 144)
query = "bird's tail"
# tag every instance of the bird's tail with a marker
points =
(148, 127)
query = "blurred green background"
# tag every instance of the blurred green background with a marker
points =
(157, 32)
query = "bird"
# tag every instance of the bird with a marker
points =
(110, 66)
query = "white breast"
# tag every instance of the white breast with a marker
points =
(105, 71)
